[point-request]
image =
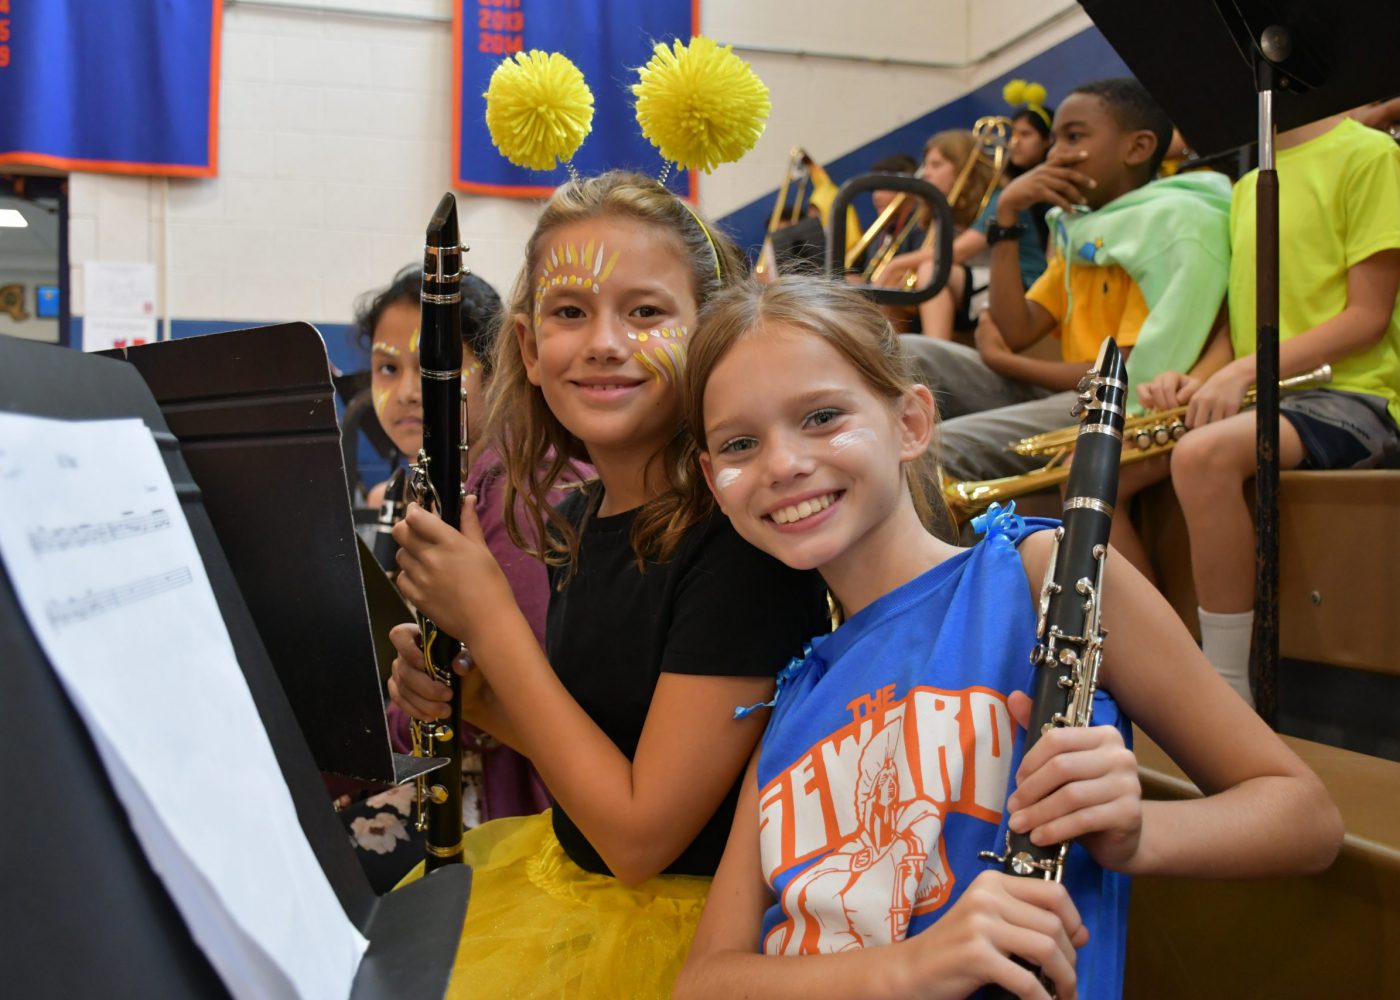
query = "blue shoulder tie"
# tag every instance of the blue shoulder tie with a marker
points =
(788, 672)
(1000, 522)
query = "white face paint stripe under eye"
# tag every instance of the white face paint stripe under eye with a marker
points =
(725, 477)
(861, 435)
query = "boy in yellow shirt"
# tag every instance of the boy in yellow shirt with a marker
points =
(1339, 269)
(1145, 263)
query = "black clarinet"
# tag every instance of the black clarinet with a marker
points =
(436, 484)
(1069, 639)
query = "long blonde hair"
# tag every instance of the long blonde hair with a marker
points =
(846, 320)
(956, 146)
(535, 446)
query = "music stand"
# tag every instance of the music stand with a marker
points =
(1294, 63)
(254, 412)
(84, 913)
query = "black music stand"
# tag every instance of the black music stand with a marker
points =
(84, 914)
(254, 412)
(940, 218)
(1209, 62)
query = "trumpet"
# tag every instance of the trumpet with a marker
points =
(1151, 434)
(991, 137)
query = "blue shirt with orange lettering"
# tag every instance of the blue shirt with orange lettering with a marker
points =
(889, 757)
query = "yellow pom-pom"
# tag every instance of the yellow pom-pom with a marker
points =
(700, 104)
(1034, 95)
(1014, 93)
(538, 109)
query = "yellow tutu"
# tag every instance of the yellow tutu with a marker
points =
(540, 926)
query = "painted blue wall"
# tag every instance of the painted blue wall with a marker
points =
(1084, 57)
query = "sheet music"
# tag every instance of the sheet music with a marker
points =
(107, 573)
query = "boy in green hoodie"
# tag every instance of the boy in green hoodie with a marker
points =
(1145, 263)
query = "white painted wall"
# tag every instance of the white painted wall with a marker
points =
(334, 139)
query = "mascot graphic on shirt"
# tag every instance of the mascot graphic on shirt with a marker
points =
(877, 877)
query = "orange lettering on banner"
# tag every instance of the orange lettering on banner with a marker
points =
(501, 31)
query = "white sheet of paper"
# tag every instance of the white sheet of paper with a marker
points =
(107, 573)
(119, 304)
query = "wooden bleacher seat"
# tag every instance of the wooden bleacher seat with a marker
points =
(1319, 937)
(1339, 565)
(1332, 935)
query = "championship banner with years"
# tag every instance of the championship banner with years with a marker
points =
(608, 40)
(116, 86)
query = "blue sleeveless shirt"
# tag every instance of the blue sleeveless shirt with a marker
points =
(888, 760)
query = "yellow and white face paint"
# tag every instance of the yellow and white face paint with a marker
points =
(662, 352)
(587, 268)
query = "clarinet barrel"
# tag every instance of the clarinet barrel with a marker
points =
(1069, 639)
(437, 486)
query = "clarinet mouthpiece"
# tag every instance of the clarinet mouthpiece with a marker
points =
(442, 227)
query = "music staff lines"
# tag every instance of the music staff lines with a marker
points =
(46, 540)
(93, 603)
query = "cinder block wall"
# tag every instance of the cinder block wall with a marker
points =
(335, 130)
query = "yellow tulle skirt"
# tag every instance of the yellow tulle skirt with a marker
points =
(539, 926)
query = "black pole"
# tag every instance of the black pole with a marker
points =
(65, 283)
(1263, 668)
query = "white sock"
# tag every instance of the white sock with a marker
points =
(1225, 641)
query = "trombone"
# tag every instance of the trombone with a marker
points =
(1151, 434)
(807, 184)
(991, 141)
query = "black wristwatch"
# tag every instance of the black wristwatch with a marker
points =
(996, 233)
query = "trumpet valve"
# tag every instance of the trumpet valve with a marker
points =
(1143, 439)
(1161, 434)
(1177, 430)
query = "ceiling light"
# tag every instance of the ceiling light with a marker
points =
(10, 217)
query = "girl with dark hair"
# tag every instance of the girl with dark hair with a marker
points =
(497, 781)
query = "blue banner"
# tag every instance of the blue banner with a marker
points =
(606, 39)
(119, 86)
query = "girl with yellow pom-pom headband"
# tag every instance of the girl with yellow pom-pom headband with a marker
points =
(1031, 122)
(628, 710)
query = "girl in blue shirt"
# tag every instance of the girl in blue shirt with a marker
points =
(893, 743)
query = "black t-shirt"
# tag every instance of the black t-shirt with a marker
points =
(718, 606)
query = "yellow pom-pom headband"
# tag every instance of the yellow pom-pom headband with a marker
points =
(700, 104)
(538, 110)
(1032, 95)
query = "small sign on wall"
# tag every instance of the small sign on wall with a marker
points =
(119, 304)
(12, 302)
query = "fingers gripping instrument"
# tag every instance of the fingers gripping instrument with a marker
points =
(435, 483)
(1069, 638)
